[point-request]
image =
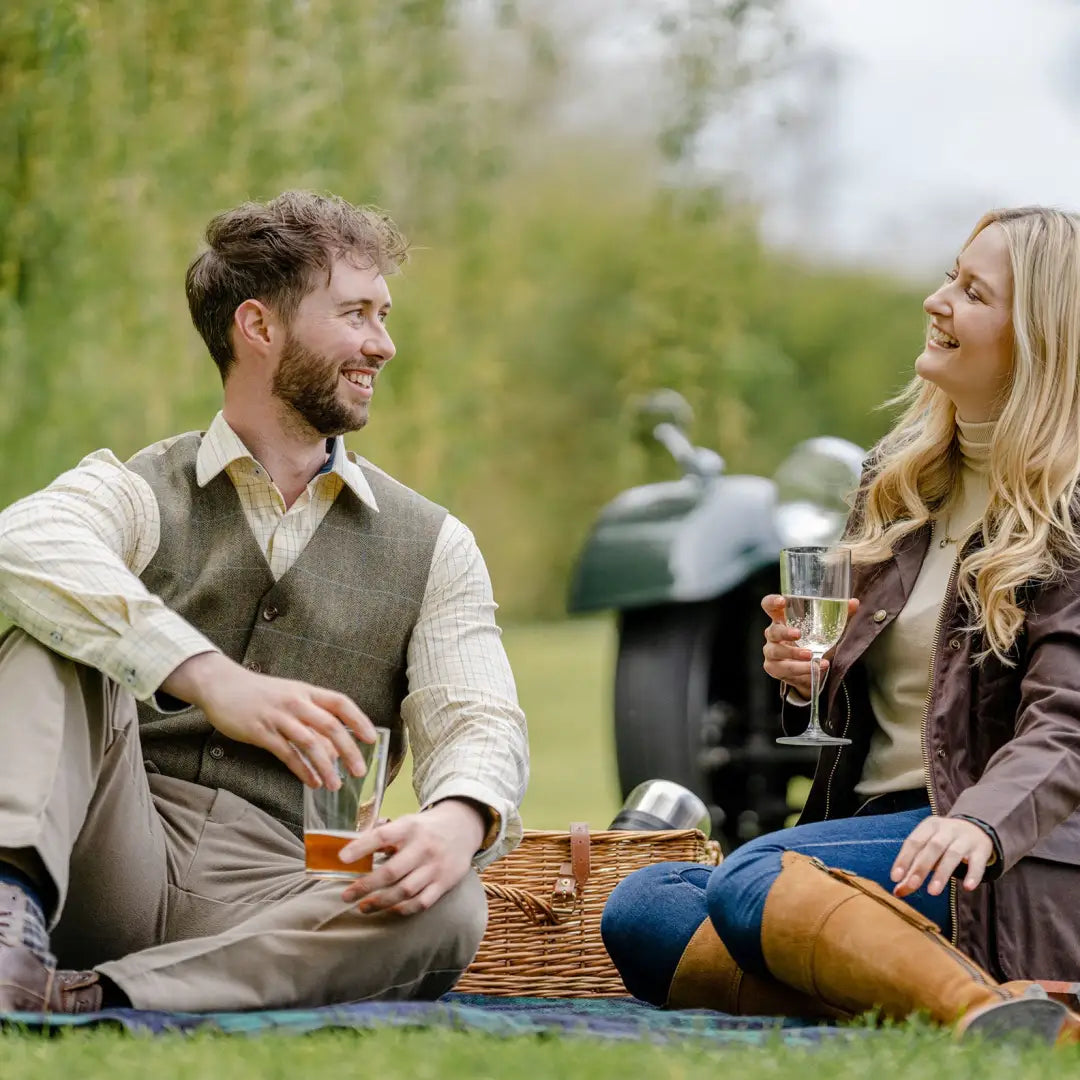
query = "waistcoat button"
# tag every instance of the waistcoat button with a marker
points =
(270, 613)
(217, 752)
(955, 643)
(252, 666)
(881, 615)
(941, 751)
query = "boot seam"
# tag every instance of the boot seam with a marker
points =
(811, 955)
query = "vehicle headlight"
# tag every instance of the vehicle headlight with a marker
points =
(813, 486)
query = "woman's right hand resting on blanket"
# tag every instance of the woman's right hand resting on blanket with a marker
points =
(285, 716)
(783, 660)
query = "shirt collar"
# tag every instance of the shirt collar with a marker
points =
(221, 446)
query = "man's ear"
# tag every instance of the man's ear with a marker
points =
(255, 326)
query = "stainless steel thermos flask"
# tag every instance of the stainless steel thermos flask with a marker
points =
(662, 804)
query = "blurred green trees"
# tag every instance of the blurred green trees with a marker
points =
(561, 266)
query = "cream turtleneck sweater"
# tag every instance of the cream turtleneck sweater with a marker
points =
(898, 662)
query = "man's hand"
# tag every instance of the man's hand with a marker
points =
(430, 853)
(941, 843)
(286, 717)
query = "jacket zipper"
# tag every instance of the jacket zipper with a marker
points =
(954, 930)
(843, 735)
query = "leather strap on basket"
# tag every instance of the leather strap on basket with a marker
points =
(574, 874)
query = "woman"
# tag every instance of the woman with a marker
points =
(958, 682)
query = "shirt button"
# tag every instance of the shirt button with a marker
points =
(56, 636)
(217, 752)
(955, 643)
(252, 666)
(880, 615)
(270, 613)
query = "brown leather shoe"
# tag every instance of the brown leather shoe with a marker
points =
(29, 981)
(77, 991)
(29, 985)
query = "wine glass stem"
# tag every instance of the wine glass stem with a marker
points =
(815, 693)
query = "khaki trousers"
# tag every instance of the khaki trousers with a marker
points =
(189, 898)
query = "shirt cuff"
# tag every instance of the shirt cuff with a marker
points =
(504, 824)
(492, 820)
(147, 654)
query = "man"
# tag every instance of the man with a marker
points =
(196, 626)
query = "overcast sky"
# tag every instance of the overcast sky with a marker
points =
(943, 109)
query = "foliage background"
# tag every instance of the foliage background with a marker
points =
(569, 254)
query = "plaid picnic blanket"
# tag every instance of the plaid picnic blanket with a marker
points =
(603, 1018)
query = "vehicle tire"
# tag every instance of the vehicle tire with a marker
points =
(661, 694)
(693, 705)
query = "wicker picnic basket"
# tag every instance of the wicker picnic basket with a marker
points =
(544, 904)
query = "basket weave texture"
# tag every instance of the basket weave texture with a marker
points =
(541, 945)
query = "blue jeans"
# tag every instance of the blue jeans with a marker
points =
(652, 914)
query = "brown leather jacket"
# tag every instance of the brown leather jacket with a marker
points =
(1000, 744)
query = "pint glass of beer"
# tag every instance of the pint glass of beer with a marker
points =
(333, 818)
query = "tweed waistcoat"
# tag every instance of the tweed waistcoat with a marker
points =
(340, 617)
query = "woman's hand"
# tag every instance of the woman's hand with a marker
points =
(783, 660)
(941, 844)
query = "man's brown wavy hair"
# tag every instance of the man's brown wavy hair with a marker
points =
(275, 252)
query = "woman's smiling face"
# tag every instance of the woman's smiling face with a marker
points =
(969, 344)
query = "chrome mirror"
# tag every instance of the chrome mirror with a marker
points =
(661, 407)
(813, 486)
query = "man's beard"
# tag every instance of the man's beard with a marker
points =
(307, 384)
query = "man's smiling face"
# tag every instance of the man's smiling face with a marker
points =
(336, 345)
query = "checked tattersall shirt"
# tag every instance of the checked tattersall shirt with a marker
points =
(70, 556)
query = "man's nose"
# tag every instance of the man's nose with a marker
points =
(379, 347)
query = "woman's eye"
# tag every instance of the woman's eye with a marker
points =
(973, 295)
(950, 275)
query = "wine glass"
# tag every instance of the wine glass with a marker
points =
(816, 583)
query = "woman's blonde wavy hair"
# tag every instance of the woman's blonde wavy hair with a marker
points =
(1028, 530)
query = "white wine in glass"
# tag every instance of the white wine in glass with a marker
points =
(816, 583)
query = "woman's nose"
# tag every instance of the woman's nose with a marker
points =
(935, 303)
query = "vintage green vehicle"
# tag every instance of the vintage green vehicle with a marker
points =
(685, 563)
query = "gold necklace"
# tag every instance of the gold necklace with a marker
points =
(946, 539)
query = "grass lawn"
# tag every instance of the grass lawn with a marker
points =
(564, 680)
(564, 674)
(908, 1053)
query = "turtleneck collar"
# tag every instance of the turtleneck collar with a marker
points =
(974, 442)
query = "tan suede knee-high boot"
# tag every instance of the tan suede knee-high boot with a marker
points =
(708, 978)
(847, 941)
